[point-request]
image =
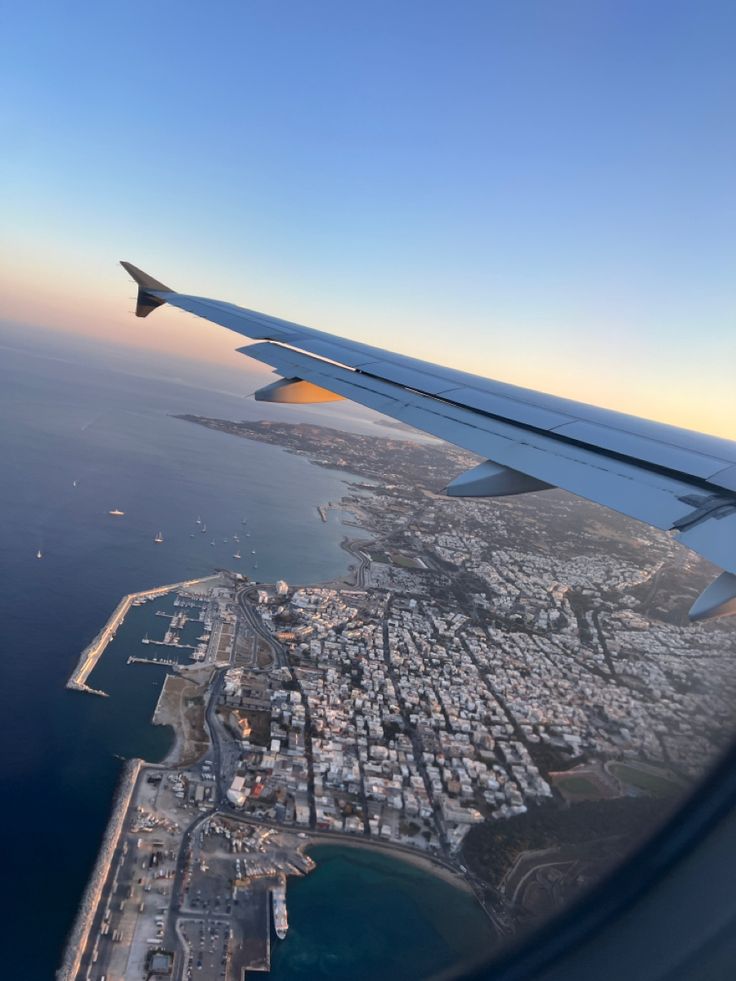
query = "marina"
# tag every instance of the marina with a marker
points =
(92, 653)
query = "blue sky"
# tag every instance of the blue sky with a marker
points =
(541, 192)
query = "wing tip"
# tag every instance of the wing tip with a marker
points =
(147, 287)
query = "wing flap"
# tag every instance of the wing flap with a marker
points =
(648, 496)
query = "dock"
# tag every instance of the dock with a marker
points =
(92, 653)
(165, 661)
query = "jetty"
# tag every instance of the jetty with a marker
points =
(165, 661)
(92, 653)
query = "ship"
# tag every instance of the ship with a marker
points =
(280, 920)
(116, 513)
(159, 537)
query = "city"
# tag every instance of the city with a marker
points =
(478, 689)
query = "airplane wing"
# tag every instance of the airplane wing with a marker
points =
(673, 479)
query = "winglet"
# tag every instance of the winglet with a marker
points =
(147, 288)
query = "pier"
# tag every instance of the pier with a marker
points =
(165, 661)
(79, 938)
(92, 653)
(169, 643)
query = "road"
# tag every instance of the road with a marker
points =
(253, 620)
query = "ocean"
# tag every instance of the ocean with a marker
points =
(75, 412)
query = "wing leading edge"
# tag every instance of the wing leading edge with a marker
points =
(673, 479)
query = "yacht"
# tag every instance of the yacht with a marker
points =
(39, 554)
(116, 513)
(159, 537)
(237, 555)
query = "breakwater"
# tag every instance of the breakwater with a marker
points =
(79, 937)
(92, 653)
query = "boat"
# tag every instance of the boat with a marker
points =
(74, 483)
(224, 541)
(203, 529)
(252, 551)
(244, 521)
(235, 538)
(159, 537)
(116, 513)
(280, 920)
(39, 554)
(212, 542)
(199, 520)
(237, 555)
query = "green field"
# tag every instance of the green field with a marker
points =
(394, 558)
(577, 785)
(404, 561)
(656, 784)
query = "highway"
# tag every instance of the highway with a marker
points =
(253, 620)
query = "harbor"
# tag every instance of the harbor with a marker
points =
(94, 651)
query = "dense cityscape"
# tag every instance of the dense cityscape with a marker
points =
(492, 679)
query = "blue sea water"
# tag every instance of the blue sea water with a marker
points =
(363, 915)
(72, 412)
(75, 413)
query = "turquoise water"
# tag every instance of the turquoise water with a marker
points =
(363, 914)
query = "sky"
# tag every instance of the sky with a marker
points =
(539, 192)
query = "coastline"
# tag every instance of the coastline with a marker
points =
(426, 863)
(78, 938)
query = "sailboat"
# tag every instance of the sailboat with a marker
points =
(212, 542)
(39, 554)
(203, 529)
(237, 555)
(74, 483)
(159, 537)
(199, 520)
